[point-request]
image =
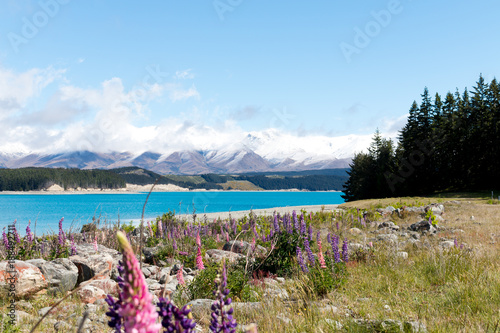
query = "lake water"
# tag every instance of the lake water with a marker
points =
(78, 209)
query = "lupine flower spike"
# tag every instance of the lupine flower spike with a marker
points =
(320, 256)
(138, 313)
(199, 260)
(222, 316)
(300, 259)
(180, 276)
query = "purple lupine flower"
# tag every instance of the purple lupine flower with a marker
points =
(137, 310)
(29, 234)
(222, 316)
(116, 320)
(175, 319)
(329, 238)
(5, 239)
(337, 225)
(276, 224)
(62, 236)
(335, 248)
(310, 255)
(174, 245)
(318, 237)
(16, 234)
(73, 246)
(310, 231)
(301, 261)
(455, 241)
(345, 253)
(295, 220)
(302, 225)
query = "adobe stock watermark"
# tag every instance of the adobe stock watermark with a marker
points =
(223, 6)
(97, 135)
(416, 158)
(31, 26)
(364, 35)
(11, 277)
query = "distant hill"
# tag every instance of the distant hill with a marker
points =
(25, 179)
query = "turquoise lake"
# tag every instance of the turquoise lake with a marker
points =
(78, 209)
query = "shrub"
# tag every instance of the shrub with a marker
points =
(281, 260)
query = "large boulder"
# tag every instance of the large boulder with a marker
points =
(26, 278)
(104, 283)
(217, 255)
(242, 247)
(423, 226)
(61, 273)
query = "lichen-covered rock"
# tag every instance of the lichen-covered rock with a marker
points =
(61, 273)
(25, 277)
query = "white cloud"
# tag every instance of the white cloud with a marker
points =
(111, 118)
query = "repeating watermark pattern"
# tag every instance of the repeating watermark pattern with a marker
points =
(364, 35)
(11, 277)
(223, 6)
(97, 135)
(416, 158)
(281, 119)
(32, 26)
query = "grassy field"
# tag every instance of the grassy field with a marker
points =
(447, 289)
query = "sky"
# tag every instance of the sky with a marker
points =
(130, 76)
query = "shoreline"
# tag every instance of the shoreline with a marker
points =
(263, 211)
(137, 189)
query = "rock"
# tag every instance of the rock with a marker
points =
(414, 327)
(336, 325)
(217, 255)
(437, 209)
(447, 244)
(90, 294)
(27, 278)
(283, 318)
(402, 254)
(415, 210)
(101, 264)
(61, 273)
(46, 309)
(389, 238)
(105, 284)
(85, 273)
(164, 275)
(390, 209)
(387, 308)
(200, 306)
(23, 316)
(423, 226)
(150, 253)
(355, 231)
(242, 247)
(328, 310)
(25, 305)
(62, 326)
(245, 307)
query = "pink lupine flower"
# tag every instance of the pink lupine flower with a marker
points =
(199, 260)
(159, 228)
(138, 312)
(218, 238)
(253, 244)
(180, 276)
(198, 239)
(227, 236)
(320, 256)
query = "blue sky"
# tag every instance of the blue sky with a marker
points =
(232, 64)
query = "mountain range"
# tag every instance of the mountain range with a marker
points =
(260, 152)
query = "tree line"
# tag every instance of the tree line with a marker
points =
(450, 143)
(27, 179)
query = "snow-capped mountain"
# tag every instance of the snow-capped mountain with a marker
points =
(259, 151)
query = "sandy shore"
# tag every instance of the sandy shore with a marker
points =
(268, 211)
